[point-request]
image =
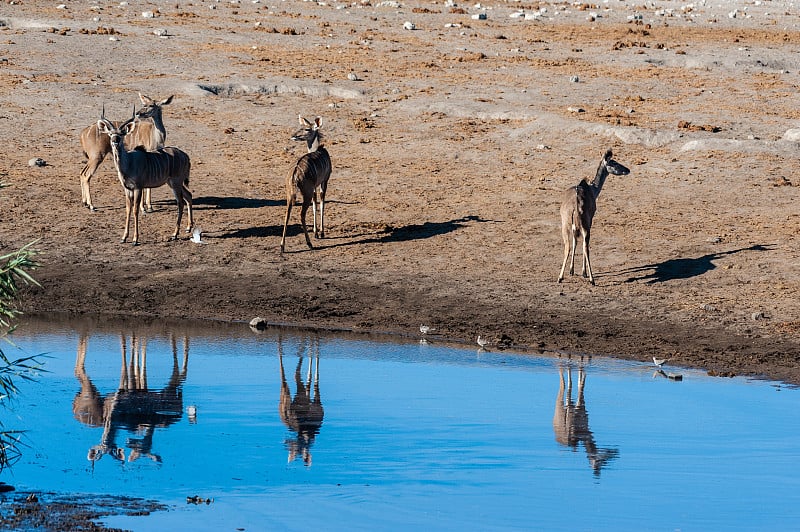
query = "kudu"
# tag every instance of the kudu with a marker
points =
(577, 212)
(149, 134)
(309, 176)
(139, 169)
(303, 413)
(571, 422)
(133, 407)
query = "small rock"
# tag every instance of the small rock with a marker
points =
(575, 79)
(37, 161)
(708, 308)
(576, 109)
(148, 14)
(758, 316)
(479, 16)
(352, 76)
(258, 324)
(160, 32)
(408, 25)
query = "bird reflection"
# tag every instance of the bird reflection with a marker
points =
(133, 407)
(303, 413)
(571, 422)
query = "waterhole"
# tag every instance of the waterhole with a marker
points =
(293, 429)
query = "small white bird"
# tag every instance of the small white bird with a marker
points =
(483, 342)
(659, 361)
(424, 329)
(196, 236)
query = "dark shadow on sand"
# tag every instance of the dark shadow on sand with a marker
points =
(686, 268)
(413, 232)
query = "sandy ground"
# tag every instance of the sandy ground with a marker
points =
(451, 149)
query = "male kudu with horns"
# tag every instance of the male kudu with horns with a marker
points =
(140, 169)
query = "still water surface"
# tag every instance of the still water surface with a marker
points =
(291, 430)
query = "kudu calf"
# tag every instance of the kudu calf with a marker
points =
(309, 176)
(577, 212)
(139, 169)
(150, 134)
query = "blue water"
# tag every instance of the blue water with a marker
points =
(411, 436)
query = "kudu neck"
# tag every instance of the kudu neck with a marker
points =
(599, 178)
(313, 142)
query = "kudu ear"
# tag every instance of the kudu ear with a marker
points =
(318, 122)
(609, 154)
(146, 100)
(128, 127)
(303, 121)
(104, 126)
(167, 101)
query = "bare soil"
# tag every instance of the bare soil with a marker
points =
(451, 149)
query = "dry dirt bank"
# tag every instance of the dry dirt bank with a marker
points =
(450, 153)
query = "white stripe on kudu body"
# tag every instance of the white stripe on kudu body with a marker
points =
(139, 169)
(577, 212)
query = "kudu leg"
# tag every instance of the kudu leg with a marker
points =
(323, 189)
(289, 202)
(128, 203)
(566, 257)
(137, 205)
(586, 261)
(572, 255)
(86, 176)
(303, 211)
(187, 198)
(147, 205)
(179, 200)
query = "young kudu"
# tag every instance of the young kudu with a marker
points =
(149, 134)
(139, 169)
(310, 176)
(577, 212)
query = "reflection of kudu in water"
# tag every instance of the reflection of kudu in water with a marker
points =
(571, 422)
(302, 414)
(133, 407)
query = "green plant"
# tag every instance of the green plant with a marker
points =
(14, 268)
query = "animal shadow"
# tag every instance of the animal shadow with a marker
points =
(216, 202)
(412, 232)
(684, 268)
